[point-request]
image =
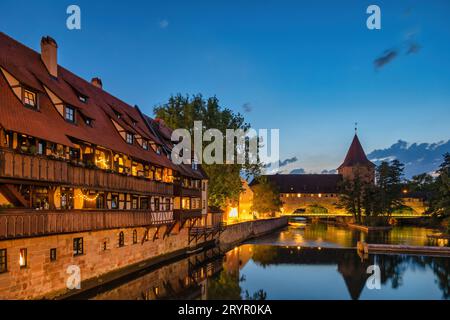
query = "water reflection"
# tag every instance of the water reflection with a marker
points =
(327, 235)
(280, 271)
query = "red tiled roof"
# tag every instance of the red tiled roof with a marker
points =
(27, 67)
(355, 155)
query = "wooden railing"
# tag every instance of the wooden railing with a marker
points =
(184, 214)
(15, 165)
(15, 223)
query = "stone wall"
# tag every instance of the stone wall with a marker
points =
(42, 278)
(239, 232)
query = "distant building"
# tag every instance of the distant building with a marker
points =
(318, 193)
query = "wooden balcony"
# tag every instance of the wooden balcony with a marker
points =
(20, 223)
(17, 166)
(180, 191)
(180, 214)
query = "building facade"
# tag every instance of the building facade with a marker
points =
(85, 178)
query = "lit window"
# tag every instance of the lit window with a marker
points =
(69, 114)
(23, 258)
(53, 254)
(3, 261)
(78, 247)
(129, 138)
(29, 98)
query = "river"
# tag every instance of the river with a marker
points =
(302, 261)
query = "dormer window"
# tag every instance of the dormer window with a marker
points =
(69, 114)
(29, 99)
(134, 123)
(118, 115)
(145, 145)
(82, 98)
(129, 138)
(88, 122)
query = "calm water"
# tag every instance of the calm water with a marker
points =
(315, 261)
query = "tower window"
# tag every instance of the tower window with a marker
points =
(78, 247)
(121, 239)
(135, 237)
(53, 254)
(69, 114)
(3, 261)
(29, 98)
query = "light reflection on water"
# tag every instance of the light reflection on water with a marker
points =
(282, 266)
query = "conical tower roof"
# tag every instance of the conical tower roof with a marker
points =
(356, 155)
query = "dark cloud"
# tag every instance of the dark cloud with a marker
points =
(413, 47)
(331, 171)
(386, 58)
(247, 107)
(287, 161)
(298, 171)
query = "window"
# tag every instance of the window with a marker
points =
(129, 138)
(134, 237)
(134, 203)
(78, 248)
(69, 114)
(144, 203)
(23, 257)
(145, 145)
(156, 202)
(53, 254)
(41, 148)
(29, 98)
(3, 261)
(121, 239)
(105, 245)
(82, 98)
(88, 121)
(114, 201)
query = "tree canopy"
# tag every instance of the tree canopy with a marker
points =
(180, 112)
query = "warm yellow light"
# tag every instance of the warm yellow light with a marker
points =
(320, 195)
(405, 191)
(233, 213)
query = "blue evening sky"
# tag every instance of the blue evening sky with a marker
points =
(305, 67)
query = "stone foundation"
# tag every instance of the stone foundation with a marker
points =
(42, 278)
(239, 232)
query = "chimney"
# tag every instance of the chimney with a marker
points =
(49, 55)
(97, 82)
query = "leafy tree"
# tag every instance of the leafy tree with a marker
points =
(352, 196)
(266, 197)
(442, 206)
(389, 183)
(181, 112)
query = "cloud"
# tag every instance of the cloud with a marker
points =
(386, 58)
(298, 171)
(163, 24)
(413, 47)
(247, 107)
